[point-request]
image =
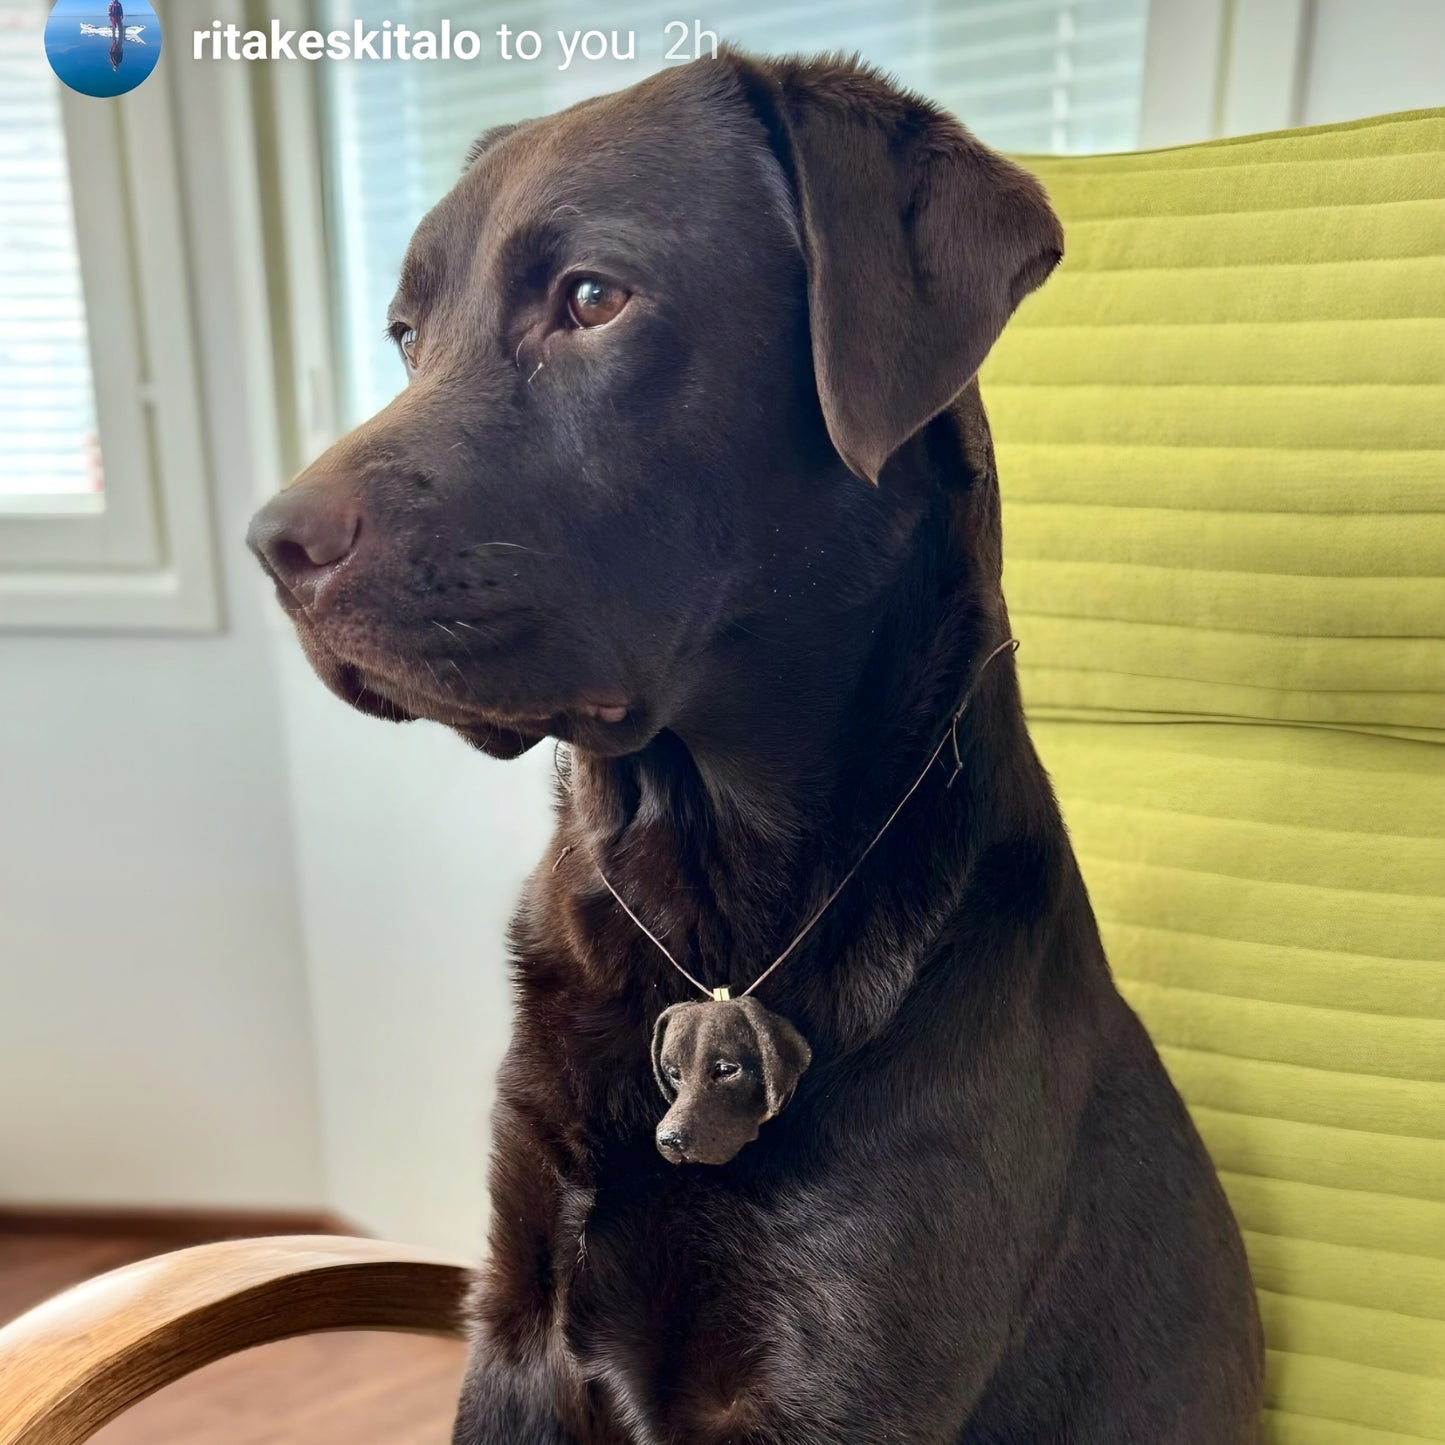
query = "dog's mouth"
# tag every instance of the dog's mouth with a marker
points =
(397, 687)
(712, 1157)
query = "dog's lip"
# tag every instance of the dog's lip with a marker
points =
(351, 686)
(603, 710)
(608, 721)
(603, 725)
(579, 713)
(373, 690)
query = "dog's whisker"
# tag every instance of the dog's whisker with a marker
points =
(447, 630)
(515, 546)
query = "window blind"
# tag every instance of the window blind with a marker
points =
(47, 397)
(1025, 75)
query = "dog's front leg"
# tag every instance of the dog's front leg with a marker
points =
(504, 1405)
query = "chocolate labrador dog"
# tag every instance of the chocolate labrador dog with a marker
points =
(692, 473)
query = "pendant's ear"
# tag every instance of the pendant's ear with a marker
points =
(919, 243)
(659, 1037)
(783, 1054)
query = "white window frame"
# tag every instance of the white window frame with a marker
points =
(309, 324)
(141, 558)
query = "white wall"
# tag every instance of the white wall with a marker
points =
(154, 1028)
(412, 850)
(1239, 67)
(1369, 57)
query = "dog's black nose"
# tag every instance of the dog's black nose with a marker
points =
(304, 535)
(672, 1141)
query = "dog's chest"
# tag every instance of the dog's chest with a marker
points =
(648, 1297)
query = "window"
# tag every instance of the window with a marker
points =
(103, 513)
(51, 462)
(1025, 75)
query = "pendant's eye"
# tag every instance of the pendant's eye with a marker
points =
(723, 1069)
(594, 302)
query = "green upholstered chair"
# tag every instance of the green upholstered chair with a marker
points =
(1221, 437)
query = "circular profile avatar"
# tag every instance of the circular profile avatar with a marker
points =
(103, 47)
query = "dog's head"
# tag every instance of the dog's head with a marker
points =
(725, 1068)
(661, 346)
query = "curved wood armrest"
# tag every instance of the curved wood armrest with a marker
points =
(74, 1363)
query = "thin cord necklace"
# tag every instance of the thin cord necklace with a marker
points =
(723, 995)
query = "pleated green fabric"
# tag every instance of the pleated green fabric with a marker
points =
(1221, 438)
(1221, 427)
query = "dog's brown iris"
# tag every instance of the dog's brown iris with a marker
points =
(593, 302)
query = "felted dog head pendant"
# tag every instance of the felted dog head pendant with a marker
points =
(726, 1067)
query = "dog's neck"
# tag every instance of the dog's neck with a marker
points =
(728, 832)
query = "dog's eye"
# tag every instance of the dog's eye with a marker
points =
(673, 1072)
(724, 1070)
(593, 302)
(406, 338)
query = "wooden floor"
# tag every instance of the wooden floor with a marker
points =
(357, 1389)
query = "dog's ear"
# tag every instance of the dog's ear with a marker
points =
(919, 243)
(782, 1052)
(659, 1035)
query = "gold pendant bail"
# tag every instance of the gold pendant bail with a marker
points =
(722, 995)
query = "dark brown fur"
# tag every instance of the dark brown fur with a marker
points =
(985, 1217)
